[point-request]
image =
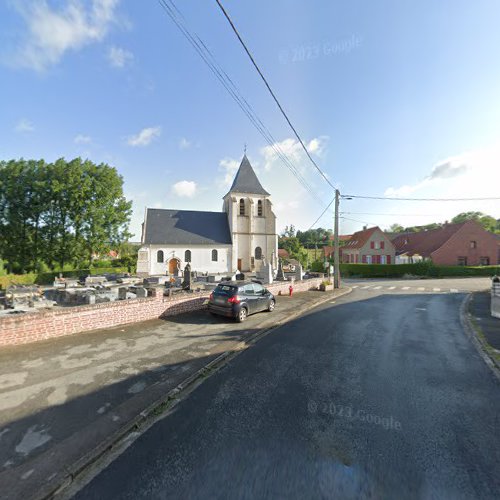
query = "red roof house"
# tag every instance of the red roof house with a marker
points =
(466, 243)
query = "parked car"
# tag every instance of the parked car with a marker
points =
(239, 299)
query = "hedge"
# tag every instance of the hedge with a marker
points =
(419, 269)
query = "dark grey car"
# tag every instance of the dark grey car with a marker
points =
(239, 299)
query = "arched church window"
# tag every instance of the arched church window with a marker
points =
(242, 206)
(159, 256)
(259, 208)
(258, 253)
(214, 256)
(187, 256)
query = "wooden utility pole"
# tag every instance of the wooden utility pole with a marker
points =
(336, 253)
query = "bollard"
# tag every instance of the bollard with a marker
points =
(290, 289)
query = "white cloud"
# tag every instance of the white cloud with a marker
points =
(185, 189)
(119, 57)
(24, 125)
(294, 151)
(185, 144)
(460, 176)
(51, 31)
(229, 167)
(144, 137)
(82, 139)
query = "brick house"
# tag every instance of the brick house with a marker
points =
(464, 244)
(370, 246)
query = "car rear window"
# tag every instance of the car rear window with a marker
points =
(225, 290)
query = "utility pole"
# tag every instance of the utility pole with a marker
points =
(336, 264)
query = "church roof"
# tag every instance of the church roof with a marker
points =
(246, 181)
(186, 227)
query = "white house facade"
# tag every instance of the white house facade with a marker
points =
(241, 237)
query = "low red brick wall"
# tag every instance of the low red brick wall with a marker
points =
(26, 328)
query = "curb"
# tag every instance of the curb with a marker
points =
(117, 443)
(479, 343)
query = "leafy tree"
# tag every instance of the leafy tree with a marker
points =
(59, 213)
(396, 228)
(489, 223)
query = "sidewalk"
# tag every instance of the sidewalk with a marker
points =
(63, 401)
(487, 327)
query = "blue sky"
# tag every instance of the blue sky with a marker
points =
(393, 98)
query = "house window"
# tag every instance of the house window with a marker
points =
(382, 259)
(388, 259)
(462, 261)
(187, 256)
(258, 253)
(473, 244)
(242, 206)
(214, 256)
(382, 245)
(159, 256)
(368, 259)
(372, 245)
(259, 210)
(484, 261)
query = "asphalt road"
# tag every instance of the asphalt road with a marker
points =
(376, 396)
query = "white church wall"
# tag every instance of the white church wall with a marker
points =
(201, 258)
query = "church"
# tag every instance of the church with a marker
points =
(241, 237)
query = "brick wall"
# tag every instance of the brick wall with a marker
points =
(26, 328)
(459, 245)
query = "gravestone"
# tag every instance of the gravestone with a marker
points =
(298, 272)
(141, 293)
(280, 276)
(265, 274)
(186, 284)
(122, 293)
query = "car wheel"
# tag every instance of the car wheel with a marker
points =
(271, 305)
(242, 315)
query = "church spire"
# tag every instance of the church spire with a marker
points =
(246, 181)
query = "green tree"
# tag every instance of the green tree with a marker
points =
(396, 228)
(59, 213)
(489, 223)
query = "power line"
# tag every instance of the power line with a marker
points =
(356, 220)
(417, 199)
(209, 59)
(272, 93)
(322, 213)
(392, 215)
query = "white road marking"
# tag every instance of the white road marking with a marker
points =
(453, 290)
(392, 287)
(436, 289)
(420, 288)
(332, 302)
(377, 287)
(405, 288)
(354, 286)
(365, 287)
(421, 309)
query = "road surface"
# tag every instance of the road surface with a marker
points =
(380, 395)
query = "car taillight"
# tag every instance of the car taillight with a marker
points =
(211, 296)
(234, 300)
